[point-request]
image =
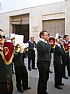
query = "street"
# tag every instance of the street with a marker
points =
(33, 78)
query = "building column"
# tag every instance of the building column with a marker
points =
(67, 17)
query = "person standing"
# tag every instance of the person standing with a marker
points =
(43, 62)
(20, 69)
(31, 53)
(65, 58)
(6, 84)
(58, 52)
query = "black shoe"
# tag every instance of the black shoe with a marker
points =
(46, 93)
(13, 72)
(65, 77)
(58, 87)
(34, 68)
(29, 69)
(69, 75)
(21, 91)
(27, 88)
(62, 84)
(50, 71)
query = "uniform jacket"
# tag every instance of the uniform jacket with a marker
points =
(43, 50)
(5, 71)
(31, 51)
(58, 53)
(19, 59)
(43, 55)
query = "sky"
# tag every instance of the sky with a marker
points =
(9, 5)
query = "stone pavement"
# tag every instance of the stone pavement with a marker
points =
(33, 78)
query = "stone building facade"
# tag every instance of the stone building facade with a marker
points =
(55, 18)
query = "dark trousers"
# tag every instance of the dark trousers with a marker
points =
(3, 89)
(42, 81)
(58, 73)
(21, 77)
(31, 58)
(66, 63)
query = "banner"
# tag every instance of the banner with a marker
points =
(8, 54)
(16, 39)
(19, 39)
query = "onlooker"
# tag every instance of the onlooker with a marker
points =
(31, 53)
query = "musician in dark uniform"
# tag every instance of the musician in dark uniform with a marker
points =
(31, 53)
(20, 69)
(52, 43)
(65, 58)
(6, 85)
(58, 52)
(43, 62)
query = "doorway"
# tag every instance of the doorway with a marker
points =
(22, 29)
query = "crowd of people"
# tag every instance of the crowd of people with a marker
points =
(61, 59)
(58, 46)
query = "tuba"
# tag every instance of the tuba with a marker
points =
(52, 41)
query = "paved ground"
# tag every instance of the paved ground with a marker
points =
(33, 78)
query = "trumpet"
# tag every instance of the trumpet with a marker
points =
(20, 48)
(17, 48)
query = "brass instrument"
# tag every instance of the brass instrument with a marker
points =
(52, 41)
(20, 48)
(66, 46)
(17, 48)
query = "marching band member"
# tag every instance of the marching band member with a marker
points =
(20, 69)
(43, 62)
(58, 52)
(52, 43)
(6, 56)
(65, 57)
